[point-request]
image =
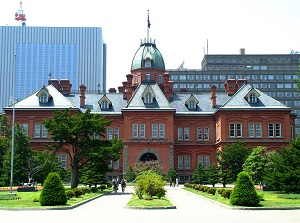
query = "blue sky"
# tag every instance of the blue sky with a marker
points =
(181, 28)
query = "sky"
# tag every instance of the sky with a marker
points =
(182, 29)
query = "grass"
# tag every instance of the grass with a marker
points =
(155, 202)
(272, 199)
(27, 199)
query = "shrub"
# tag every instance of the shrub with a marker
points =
(244, 193)
(53, 192)
(94, 189)
(160, 192)
(86, 190)
(226, 193)
(70, 194)
(78, 192)
(102, 187)
(220, 191)
(212, 191)
(197, 187)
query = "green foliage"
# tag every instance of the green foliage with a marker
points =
(231, 160)
(130, 175)
(152, 165)
(200, 175)
(283, 172)
(78, 192)
(244, 193)
(70, 193)
(255, 164)
(53, 192)
(171, 174)
(149, 184)
(76, 130)
(213, 174)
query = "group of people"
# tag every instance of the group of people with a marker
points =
(115, 182)
(176, 182)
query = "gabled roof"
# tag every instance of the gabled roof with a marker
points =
(160, 101)
(43, 90)
(238, 101)
(104, 98)
(192, 98)
(32, 101)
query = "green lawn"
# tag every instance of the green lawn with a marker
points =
(136, 202)
(272, 199)
(27, 199)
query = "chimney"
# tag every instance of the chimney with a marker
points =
(242, 51)
(82, 95)
(230, 86)
(240, 82)
(65, 86)
(213, 96)
(112, 90)
(55, 83)
(120, 88)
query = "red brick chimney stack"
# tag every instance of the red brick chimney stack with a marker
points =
(213, 96)
(82, 95)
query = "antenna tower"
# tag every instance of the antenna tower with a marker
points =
(20, 16)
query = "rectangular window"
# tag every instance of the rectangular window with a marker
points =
(96, 136)
(200, 160)
(116, 165)
(238, 130)
(231, 130)
(187, 162)
(206, 161)
(135, 129)
(206, 133)
(116, 133)
(186, 133)
(180, 162)
(63, 161)
(161, 130)
(180, 134)
(109, 133)
(258, 130)
(142, 131)
(44, 131)
(235, 130)
(278, 130)
(251, 129)
(154, 130)
(199, 134)
(25, 128)
(271, 130)
(37, 130)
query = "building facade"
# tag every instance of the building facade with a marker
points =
(273, 74)
(178, 129)
(30, 56)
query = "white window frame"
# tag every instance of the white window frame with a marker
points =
(44, 131)
(116, 133)
(116, 165)
(186, 133)
(135, 131)
(235, 130)
(148, 76)
(109, 133)
(161, 130)
(43, 98)
(37, 130)
(187, 162)
(25, 128)
(252, 98)
(180, 162)
(199, 134)
(148, 98)
(142, 131)
(206, 133)
(63, 160)
(155, 131)
(180, 133)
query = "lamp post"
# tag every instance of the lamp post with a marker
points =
(13, 129)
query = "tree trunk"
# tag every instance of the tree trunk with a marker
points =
(74, 175)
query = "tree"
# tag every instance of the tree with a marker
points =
(171, 174)
(213, 174)
(22, 152)
(231, 160)
(5, 144)
(244, 193)
(98, 162)
(283, 172)
(76, 130)
(200, 175)
(255, 164)
(147, 165)
(53, 192)
(130, 175)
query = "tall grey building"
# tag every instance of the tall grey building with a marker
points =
(273, 74)
(36, 54)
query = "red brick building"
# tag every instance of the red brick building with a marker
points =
(179, 130)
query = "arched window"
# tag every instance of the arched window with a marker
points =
(148, 63)
(148, 76)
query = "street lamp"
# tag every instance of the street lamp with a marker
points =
(13, 128)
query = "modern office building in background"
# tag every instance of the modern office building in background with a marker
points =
(273, 74)
(37, 54)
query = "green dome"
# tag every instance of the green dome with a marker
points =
(147, 50)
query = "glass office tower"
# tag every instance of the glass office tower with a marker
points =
(37, 54)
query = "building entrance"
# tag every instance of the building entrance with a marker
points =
(148, 157)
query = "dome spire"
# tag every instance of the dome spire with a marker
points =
(148, 27)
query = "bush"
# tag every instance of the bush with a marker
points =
(244, 193)
(78, 192)
(94, 189)
(102, 187)
(70, 194)
(226, 193)
(220, 191)
(53, 192)
(212, 191)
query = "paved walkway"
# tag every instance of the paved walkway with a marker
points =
(190, 207)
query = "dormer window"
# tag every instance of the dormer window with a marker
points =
(252, 98)
(43, 98)
(148, 98)
(104, 103)
(135, 79)
(148, 63)
(191, 103)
